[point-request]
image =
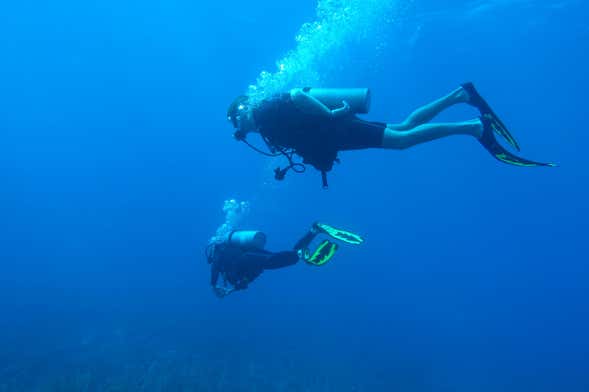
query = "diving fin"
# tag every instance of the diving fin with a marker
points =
(324, 252)
(338, 234)
(479, 102)
(490, 143)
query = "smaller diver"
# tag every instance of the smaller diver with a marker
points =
(241, 257)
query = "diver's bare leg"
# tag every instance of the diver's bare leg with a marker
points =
(428, 112)
(397, 139)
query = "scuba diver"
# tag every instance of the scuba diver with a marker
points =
(317, 123)
(241, 258)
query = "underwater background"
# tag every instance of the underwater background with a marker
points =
(116, 158)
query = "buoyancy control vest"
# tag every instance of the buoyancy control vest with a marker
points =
(285, 126)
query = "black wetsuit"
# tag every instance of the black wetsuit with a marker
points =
(240, 267)
(316, 138)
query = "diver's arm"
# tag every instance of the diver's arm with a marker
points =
(219, 291)
(214, 274)
(311, 105)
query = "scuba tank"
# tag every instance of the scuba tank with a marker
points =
(357, 98)
(247, 239)
(244, 240)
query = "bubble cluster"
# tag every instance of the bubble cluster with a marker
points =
(338, 23)
(235, 213)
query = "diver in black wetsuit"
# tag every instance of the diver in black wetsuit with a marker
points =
(318, 123)
(241, 258)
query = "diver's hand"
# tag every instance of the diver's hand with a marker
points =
(221, 292)
(345, 109)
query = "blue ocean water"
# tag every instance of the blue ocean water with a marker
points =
(116, 158)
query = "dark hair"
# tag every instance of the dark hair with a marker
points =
(234, 108)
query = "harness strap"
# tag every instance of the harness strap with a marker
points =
(275, 151)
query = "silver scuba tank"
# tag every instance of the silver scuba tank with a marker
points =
(247, 239)
(357, 98)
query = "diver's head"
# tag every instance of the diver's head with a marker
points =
(240, 114)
